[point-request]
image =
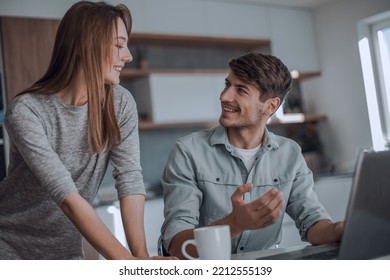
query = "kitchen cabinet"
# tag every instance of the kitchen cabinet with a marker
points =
(177, 79)
(293, 38)
(165, 98)
(27, 45)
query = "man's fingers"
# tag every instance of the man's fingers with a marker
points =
(272, 196)
(270, 213)
(240, 191)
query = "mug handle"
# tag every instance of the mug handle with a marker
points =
(184, 246)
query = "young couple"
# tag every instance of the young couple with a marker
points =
(67, 127)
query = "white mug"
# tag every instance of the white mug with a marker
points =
(212, 243)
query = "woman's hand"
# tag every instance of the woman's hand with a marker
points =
(158, 258)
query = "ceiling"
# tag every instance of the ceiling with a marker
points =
(296, 3)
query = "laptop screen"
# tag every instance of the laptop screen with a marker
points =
(367, 226)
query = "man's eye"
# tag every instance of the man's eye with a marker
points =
(119, 46)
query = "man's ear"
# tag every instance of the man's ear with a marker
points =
(272, 105)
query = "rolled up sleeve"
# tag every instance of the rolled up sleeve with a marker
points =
(125, 155)
(303, 204)
(182, 197)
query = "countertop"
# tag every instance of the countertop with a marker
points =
(107, 195)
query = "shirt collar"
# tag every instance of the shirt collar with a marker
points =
(220, 137)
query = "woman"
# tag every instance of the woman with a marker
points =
(64, 130)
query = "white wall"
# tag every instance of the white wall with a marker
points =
(35, 8)
(339, 92)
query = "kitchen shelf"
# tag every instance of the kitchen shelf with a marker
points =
(144, 40)
(134, 73)
(139, 73)
(307, 119)
(308, 75)
(149, 125)
(153, 39)
(146, 44)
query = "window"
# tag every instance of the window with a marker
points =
(374, 47)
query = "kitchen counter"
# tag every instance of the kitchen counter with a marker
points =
(108, 196)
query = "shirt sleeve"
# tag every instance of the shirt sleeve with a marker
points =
(303, 204)
(27, 133)
(125, 154)
(182, 197)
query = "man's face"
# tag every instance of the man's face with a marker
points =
(241, 105)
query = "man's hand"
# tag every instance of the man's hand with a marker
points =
(325, 231)
(259, 213)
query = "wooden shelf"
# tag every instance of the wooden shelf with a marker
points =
(190, 41)
(149, 125)
(138, 73)
(315, 118)
(152, 39)
(308, 75)
(307, 119)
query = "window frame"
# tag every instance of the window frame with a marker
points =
(374, 80)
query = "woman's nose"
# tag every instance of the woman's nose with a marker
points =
(128, 57)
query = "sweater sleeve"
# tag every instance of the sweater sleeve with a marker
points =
(28, 134)
(125, 155)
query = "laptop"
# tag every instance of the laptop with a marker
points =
(367, 224)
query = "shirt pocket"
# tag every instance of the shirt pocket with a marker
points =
(262, 183)
(217, 190)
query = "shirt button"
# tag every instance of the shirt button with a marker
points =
(269, 146)
(218, 179)
(242, 248)
(275, 180)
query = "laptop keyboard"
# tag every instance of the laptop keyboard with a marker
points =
(327, 255)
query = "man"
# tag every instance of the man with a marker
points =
(239, 173)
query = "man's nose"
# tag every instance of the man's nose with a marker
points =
(227, 94)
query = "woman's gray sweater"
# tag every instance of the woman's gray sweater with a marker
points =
(49, 159)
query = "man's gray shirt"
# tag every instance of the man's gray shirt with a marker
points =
(49, 159)
(203, 171)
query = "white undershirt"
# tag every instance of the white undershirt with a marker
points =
(248, 156)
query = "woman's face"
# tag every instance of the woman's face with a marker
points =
(120, 54)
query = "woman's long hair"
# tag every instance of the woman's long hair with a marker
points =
(84, 43)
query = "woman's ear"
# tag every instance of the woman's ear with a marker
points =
(272, 105)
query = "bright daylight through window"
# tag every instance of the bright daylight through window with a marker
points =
(374, 47)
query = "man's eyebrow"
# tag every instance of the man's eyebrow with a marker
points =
(244, 86)
(237, 85)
